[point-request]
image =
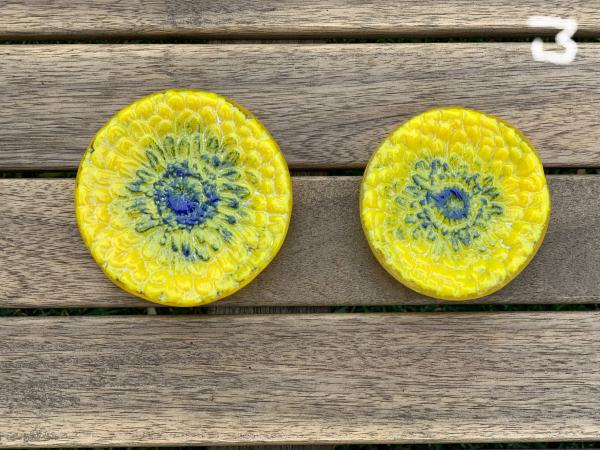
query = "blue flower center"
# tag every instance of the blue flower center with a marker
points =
(184, 198)
(191, 191)
(448, 203)
(181, 204)
(452, 202)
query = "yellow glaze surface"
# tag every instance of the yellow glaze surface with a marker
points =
(183, 197)
(454, 203)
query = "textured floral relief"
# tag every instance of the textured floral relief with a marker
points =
(183, 198)
(454, 203)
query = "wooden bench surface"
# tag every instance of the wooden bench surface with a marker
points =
(253, 379)
(325, 259)
(294, 378)
(284, 18)
(327, 105)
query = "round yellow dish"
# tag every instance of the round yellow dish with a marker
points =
(454, 203)
(183, 197)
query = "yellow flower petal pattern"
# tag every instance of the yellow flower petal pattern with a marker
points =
(454, 203)
(183, 197)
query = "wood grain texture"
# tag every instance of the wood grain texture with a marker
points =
(324, 261)
(283, 18)
(290, 379)
(327, 105)
(219, 309)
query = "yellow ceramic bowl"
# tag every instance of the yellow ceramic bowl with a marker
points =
(183, 197)
(454, 203)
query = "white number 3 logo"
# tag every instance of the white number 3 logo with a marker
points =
(568, 27)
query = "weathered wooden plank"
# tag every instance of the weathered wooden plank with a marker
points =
(217, 308)
(277, 18)
(324, 261)
(290, 379)
(327, 105)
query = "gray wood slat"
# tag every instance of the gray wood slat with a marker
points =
(283, 18)
(291, 379)
(324, 261)
(327, 105)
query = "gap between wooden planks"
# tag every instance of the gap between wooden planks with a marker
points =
(325, 260)
(328, 105)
